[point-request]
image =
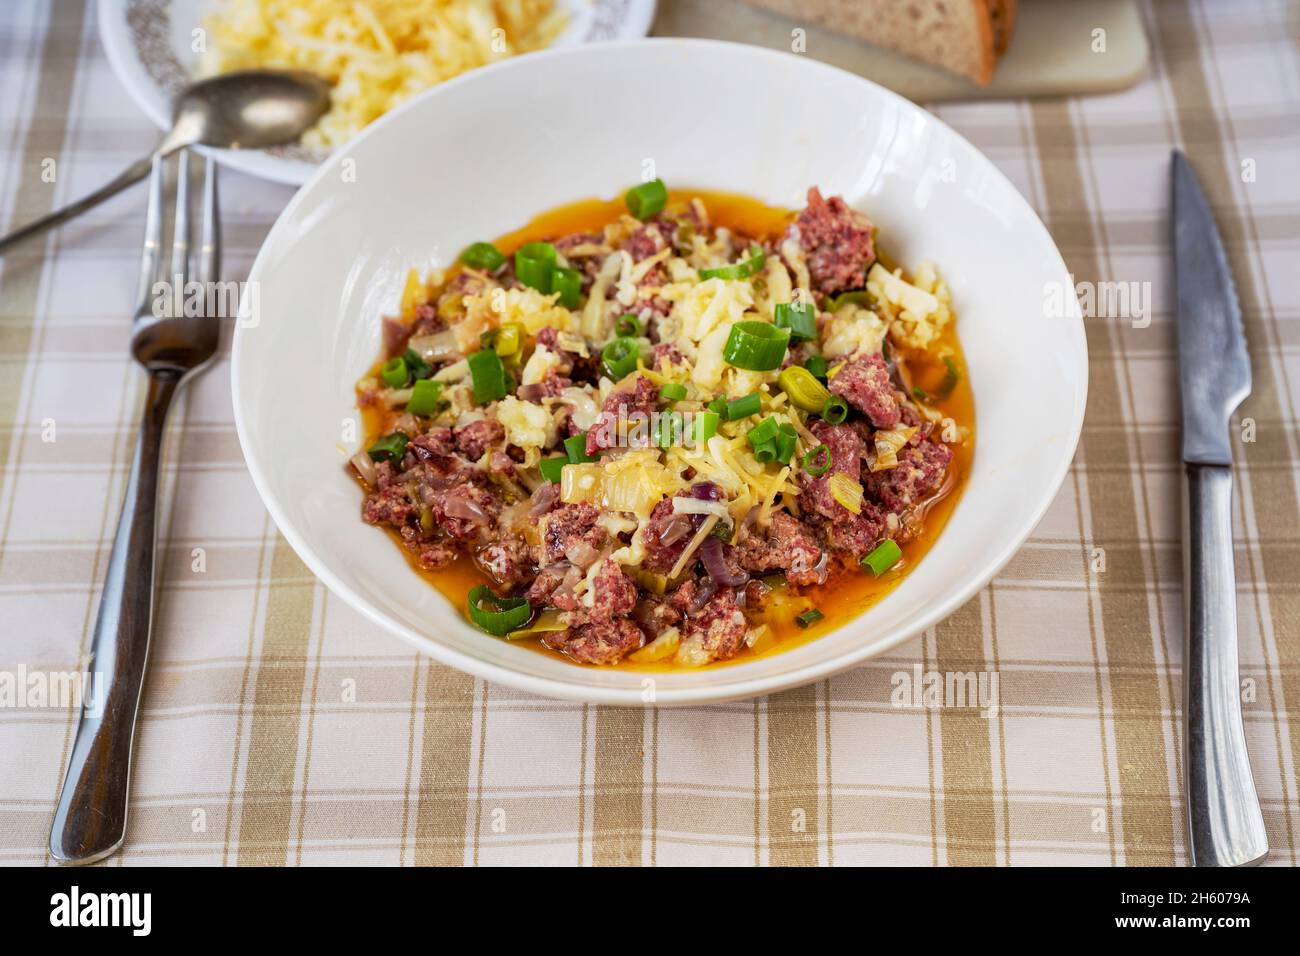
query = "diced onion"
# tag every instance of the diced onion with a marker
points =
(846, 491)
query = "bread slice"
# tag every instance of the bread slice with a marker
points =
(966, 37)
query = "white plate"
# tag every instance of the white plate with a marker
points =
(149, 45)
(581, 122)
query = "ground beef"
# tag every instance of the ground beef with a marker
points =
(631, 406)
(846, 451)
(509, 562)
(570, 531)
(666, 352)
(466, 511)
(599, 641)
(614, 593)
(920, 470)
(432, 554)
(864, 383)
(713, 632)
(553, 587)
(579, 368)
(787, 546)
(647, 240)
(438, 441)
(551, 385)
(472, 440)
(852, 537)
(661, 556)
(836, 241)
(655, 616)
(387, 506)
(427, 320)
(603, 633)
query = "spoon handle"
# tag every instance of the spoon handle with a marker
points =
(129, 176)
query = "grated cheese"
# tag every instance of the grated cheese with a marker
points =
(376, 53)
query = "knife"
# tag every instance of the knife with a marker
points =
(1224, 824)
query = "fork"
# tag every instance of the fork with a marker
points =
(90, 822)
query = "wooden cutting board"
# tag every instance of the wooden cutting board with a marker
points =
(1051, 54)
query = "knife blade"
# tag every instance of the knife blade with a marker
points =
(1225, 826)
(1213, 364)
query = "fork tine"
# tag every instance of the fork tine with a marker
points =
(180, 271)
(210, 240)
(152, 233)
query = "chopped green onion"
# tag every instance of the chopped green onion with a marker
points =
(506, 614)
(718, 406)
(669, 430)
(394, 373)
(763, 432)
(813, 466)
(647, 199)
(672, 391)
(489, 376)
(706, 426)
(535, 265)
(416, 364)
(818, 366)
(756, 346)
(620, 357)
(803, 388)
(765, 452)
(510, 338)
(809, 618)
(950, 379)
(723, 532)
(425, 397)
(551, 468)
(568, 283)
(744, 407)
(835, 410)
(628, 325)
(785, 442)
(741, 270)
(799, 317)
(882, 557)
(482, 255)
(859, 297)
(576, 449)
(389, 448)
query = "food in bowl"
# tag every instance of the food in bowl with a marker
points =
(376, 53)
(676, 430)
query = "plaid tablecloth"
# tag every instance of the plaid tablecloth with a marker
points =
(279, 727)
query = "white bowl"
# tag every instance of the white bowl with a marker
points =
(484, 153)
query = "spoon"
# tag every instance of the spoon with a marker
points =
(249, 109)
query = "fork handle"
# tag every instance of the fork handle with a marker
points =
(128, 177)
(90, 822)
(1224, 822)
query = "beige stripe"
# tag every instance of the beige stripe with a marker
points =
(967, 752)
(270, 770)
(617, 815)
(1125, 610)
(1268, 461)
(443, 803)
(792, 793)
(20, 288)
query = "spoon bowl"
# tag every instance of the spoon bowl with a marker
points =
(247, 109)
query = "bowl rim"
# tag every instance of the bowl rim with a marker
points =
(558, 688)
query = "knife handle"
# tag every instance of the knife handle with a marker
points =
(1225, 826)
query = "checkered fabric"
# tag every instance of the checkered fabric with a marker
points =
(279, 727)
